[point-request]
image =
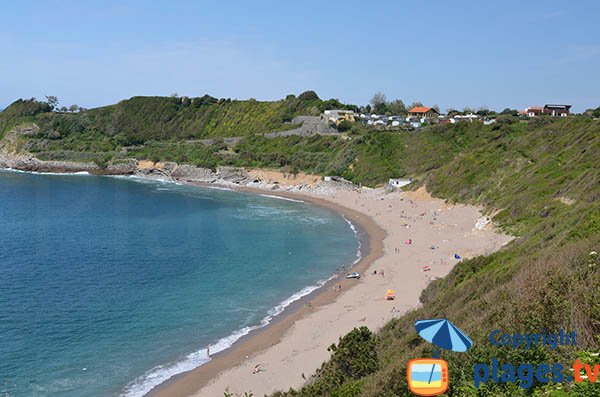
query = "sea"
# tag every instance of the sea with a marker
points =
(111, 285)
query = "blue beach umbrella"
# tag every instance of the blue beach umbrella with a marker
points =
(443, 334)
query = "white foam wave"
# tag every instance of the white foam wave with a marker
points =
(162, 373)
(359, 251)
(143, 179)
(46, 173)
(218, 188)
(145, 383)
(282, 198)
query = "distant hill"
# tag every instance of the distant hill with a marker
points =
(141, 119)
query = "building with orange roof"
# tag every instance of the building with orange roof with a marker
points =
(423, 112)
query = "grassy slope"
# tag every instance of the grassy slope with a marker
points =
(544, 280)
(517, 170)
(142, 119)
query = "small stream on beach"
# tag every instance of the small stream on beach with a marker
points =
(111, 285)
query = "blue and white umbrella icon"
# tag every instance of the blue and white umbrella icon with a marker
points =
(443, 334)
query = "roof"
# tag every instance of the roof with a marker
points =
(535, 108)
(557, 106)
(421, 109)
(338, 111)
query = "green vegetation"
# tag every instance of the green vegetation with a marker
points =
(542, 180)
(21, 111)
(380, 105)
(539, 179)
(142, 119)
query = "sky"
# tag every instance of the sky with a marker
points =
(453, 54)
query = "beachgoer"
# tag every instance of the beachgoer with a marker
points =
(382, 274)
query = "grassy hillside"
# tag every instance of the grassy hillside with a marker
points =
(539, 179)
(21, 111)
(542, 180)
(142, 119)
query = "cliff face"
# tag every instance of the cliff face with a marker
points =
(26, 163)
(12, 155)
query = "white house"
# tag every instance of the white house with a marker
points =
(397, 183)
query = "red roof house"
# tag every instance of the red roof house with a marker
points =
(423, 111)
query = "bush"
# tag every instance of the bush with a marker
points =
(344, 125)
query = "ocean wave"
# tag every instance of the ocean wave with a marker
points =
(159, 374)
(143, 179)
(218, 188)
(45, 173)
(282, 198)
(355, 231)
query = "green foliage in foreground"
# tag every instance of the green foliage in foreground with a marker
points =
(544, 183)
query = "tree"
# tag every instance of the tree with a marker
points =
(397, 107)
(511, 112)
(483, 111)
(73, 108)
(368, 108)
(355, 356)
(344, 125)
(308, 96)
(52, 101)
(381, 108)
(63, 109)
(415, 104)
(378, 99)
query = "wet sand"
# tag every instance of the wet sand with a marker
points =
(295, 344)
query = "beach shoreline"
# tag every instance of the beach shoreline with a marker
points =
(266, 336)
(279, 342)
(294, 344)
(371, 240)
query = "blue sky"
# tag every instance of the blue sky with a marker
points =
(453, 54)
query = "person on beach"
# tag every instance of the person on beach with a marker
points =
(382, 274)
(208, 352)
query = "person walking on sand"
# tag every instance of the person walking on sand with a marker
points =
(381, 272)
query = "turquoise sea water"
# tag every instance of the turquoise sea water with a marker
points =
(109, 286)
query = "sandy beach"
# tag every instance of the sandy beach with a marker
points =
(412, 239)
